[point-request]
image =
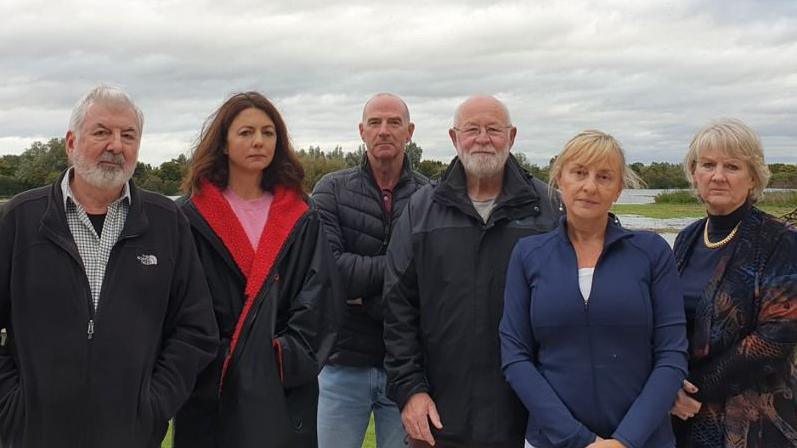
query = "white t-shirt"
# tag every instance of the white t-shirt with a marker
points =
(585, 282)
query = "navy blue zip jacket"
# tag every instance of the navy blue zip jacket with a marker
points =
(611, 366)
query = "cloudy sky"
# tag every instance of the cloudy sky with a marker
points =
(649, 72)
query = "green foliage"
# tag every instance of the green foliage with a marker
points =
(414, 152)
(779, 199)
(433, 169)
(42, 163)
(317, 163)
(676, 197)
(661, 175)
(783, 175)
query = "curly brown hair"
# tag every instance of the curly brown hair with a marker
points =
(209, 162)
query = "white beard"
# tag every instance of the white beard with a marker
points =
(104, 177)
(484, 166)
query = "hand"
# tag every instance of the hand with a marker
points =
(686, 407)
(605, 443)
(417, 413)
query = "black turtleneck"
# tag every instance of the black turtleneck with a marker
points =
(702, 261)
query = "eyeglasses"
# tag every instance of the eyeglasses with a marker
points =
(491, 131)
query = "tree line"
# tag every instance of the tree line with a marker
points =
(43, 162)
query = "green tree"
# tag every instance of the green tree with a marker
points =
(42, 163)
(414, 152)
(433, 169)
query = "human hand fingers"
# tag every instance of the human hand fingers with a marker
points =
(434, 416)
(689, 387)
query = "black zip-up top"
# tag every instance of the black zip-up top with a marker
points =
(444, 293)
(358, 229)
(72, 379)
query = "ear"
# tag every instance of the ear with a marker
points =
(362, 131)
(410, 130)
(453, 134)
(512, 135)
(70, 142)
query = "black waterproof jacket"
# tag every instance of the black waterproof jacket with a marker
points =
(444, 295)
(153, 330)
(358, 229)
(269, 396)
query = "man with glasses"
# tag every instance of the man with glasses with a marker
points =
(444, 287)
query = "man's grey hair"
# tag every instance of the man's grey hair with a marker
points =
(102, 94)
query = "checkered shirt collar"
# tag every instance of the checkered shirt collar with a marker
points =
(66, 190)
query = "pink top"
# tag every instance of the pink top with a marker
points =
(251, 213)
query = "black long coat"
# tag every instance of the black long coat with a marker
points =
(269, 395)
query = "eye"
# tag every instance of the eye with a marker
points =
(129, 136)
(395, 123)
(733, 167)
(495, 132)
(707, 165)
(269, 132)
(100, 133)
(374, 123)
(471, 131)
(245, 132)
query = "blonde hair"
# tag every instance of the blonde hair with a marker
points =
(735, 139)
(589, 147)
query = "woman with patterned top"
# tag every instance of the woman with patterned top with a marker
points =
(273, 281)
(738, 267)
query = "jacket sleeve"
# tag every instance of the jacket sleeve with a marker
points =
(404, 362)
(771, 344)
(553, 418)
(12, 409)
(361, 275)
(303, 344)
(669, 346)
(190, 336)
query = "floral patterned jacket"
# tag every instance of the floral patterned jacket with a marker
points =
(742, 349)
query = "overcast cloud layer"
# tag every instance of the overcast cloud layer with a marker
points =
(651, 73)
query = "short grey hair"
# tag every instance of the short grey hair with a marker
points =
(735, 139)
(102, 94)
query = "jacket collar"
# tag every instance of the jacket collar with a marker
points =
(614, 231)
(286, 210)
(406, 171)
(518, 198)
(54, 223)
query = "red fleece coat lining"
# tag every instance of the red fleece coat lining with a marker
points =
(286, 210)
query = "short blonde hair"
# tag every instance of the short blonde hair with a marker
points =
(735, 139)
(589, 147)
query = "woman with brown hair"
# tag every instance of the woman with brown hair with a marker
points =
(272, 277)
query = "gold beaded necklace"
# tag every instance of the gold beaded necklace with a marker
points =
(721, 242)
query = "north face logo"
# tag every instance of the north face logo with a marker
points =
(148, 260)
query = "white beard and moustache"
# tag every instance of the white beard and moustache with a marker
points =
(104, 177)
(484, 166)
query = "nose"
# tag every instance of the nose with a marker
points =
(718, 175)
(589, 184)
(115, 144)
(258, 139)
(483, 136)
(383, 128)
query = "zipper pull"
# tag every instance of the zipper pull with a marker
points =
(90, 331)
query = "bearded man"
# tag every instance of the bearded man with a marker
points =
(105, 305)
(444, 287)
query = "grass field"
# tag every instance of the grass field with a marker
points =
(662, 211)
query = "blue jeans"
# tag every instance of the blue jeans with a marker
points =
(346, 399)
